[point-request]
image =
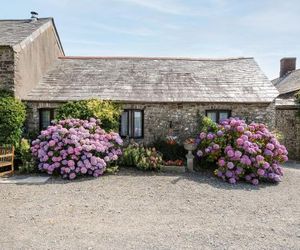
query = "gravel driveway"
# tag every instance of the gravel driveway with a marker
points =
(135, 210)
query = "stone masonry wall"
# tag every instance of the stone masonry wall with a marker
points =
(157, 116)
(288, 124)
(32, 118)
(184, 117)
(6, 68)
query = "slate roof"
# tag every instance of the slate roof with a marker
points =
(286, 100)
(21, 31)
(282, 102)
(134, 79)
(288, 83)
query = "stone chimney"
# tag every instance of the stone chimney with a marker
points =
(287, 64)
(34, 16)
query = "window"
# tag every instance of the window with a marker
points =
(46, 116)
(132, 123)
(218, 115)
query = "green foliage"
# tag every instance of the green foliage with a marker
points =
(31, 135)
(278, 134)
(298, 101)
(107, 111)
(169, 151)
(298, 96)
(27, 165)
(205, 124)
(12, 117)
(112, 169)
(141, 157)
(6, 93)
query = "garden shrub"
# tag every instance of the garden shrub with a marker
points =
(76, 147)
(205, 124)
(12, 118)
(241, 151)
(298, 102)
(107, 111)
(23, 154)
(141, 157)
(6, 93)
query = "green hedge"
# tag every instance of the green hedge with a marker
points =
(12, 118)
(107, 111)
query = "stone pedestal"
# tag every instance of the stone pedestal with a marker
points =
(190, 161)
(190, 147)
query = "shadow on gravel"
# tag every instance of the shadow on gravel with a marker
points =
(204, 176)
(293, 165)
(210, 179)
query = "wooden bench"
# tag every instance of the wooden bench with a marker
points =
(7, 154)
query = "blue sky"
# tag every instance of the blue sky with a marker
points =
(265, 29)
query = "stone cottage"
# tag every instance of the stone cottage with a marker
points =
(157, 93)
(287, 120)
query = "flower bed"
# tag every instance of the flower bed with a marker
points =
(76, 147)
(241, 151)
(178, 163)
(141, 157)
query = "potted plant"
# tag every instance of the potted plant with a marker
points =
(190, 144)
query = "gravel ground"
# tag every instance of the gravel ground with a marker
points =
(135, 210)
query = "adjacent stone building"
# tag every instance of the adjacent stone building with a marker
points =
(28, 48)
(287, 109)
(157, 93)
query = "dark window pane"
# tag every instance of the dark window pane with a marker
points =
(45, 118)
(223, 115)
(132, 123)
(212, 115)
(124, 124)
(137, 123)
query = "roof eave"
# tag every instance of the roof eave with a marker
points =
(141, 101)
(57, 36)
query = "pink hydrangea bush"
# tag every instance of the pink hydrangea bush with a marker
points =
(241, 151)
(76, 147)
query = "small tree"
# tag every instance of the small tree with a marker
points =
(12, 117)
(107, 111)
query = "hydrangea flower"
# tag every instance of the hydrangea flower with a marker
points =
(76, 147)
(230, 165)
(250, 152)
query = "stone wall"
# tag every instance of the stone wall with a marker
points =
(288, 124)
(6, 68)
(32, 118)
(35, 58)
(157, 116)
